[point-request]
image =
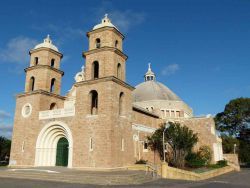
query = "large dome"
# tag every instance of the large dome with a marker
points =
(153, 90)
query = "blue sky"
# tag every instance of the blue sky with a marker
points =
(198, 48)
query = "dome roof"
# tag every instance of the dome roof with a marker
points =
(153, 90)
(106, 22)
(47, 43)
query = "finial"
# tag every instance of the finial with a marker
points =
(106, 16)
(83, 68)
(149, 66)
(47, 39)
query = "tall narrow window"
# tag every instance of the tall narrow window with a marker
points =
(91, 144)
(52, 63)
(116, 43)
(32, 84)
(95, 69)
(52, 85)
(93, 102)
(119, 71)
(36, 61)
(98, 43)
(121, 103)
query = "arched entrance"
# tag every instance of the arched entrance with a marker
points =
(62, 152)
(54, 145)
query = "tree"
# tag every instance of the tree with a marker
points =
(228, 143)
(180, 138)
(5, 145)
(235, 117)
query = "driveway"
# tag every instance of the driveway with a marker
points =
(68, 179)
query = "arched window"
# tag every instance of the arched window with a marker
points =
(36, 61)
(53, 106)
(32, 84)
(121, 103)
(93, 102)
(119, 71)
(95, 69)
(52, 62)
(98, 43)
(116, 43)
(52, 85)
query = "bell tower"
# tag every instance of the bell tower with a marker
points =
(105, 56)
(44, 71)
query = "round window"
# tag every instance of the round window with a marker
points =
(26, 110)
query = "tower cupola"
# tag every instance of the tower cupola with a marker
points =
(106, 22)
(150, 75)
(47, 43)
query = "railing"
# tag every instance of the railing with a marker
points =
(153, 169)
(57, 113)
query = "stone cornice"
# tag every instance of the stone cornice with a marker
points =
(144, 111)
(105, 48)
(44, 66)
(46, 49)
(40, 92)
(104, 79)
(106, 28)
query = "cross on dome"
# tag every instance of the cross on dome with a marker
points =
(106, 22)
(47, 39)
(150, 75)
(47, 43)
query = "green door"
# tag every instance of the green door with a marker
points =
(62, 152)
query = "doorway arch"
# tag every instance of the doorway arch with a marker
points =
(47, 143)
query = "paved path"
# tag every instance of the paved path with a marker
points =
(69, 178)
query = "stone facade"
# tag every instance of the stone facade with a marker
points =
(103, 125)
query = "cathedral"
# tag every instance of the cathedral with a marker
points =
(102, 122)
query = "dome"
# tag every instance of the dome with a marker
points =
(47, 43)
(106, 22)
(153, 90)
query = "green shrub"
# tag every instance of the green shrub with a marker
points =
(205, 154)
(194, 160)
(219, 164)
(222, 163)
(141, 161)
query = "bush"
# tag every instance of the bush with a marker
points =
(205, 154)
(219, 164)
(141, 161)
(194, 160)
(222, 163)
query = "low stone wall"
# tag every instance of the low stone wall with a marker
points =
(174, 173)
(232, 160)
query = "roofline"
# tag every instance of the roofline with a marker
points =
(103, 79)
(142, 110)
(40, 91)
(105, 48)
(44, 66)
(46, 49)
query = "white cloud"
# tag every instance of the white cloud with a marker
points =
(170, 69)
(16, 50)
(4, 115)
(60, 33)
(124, 20)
